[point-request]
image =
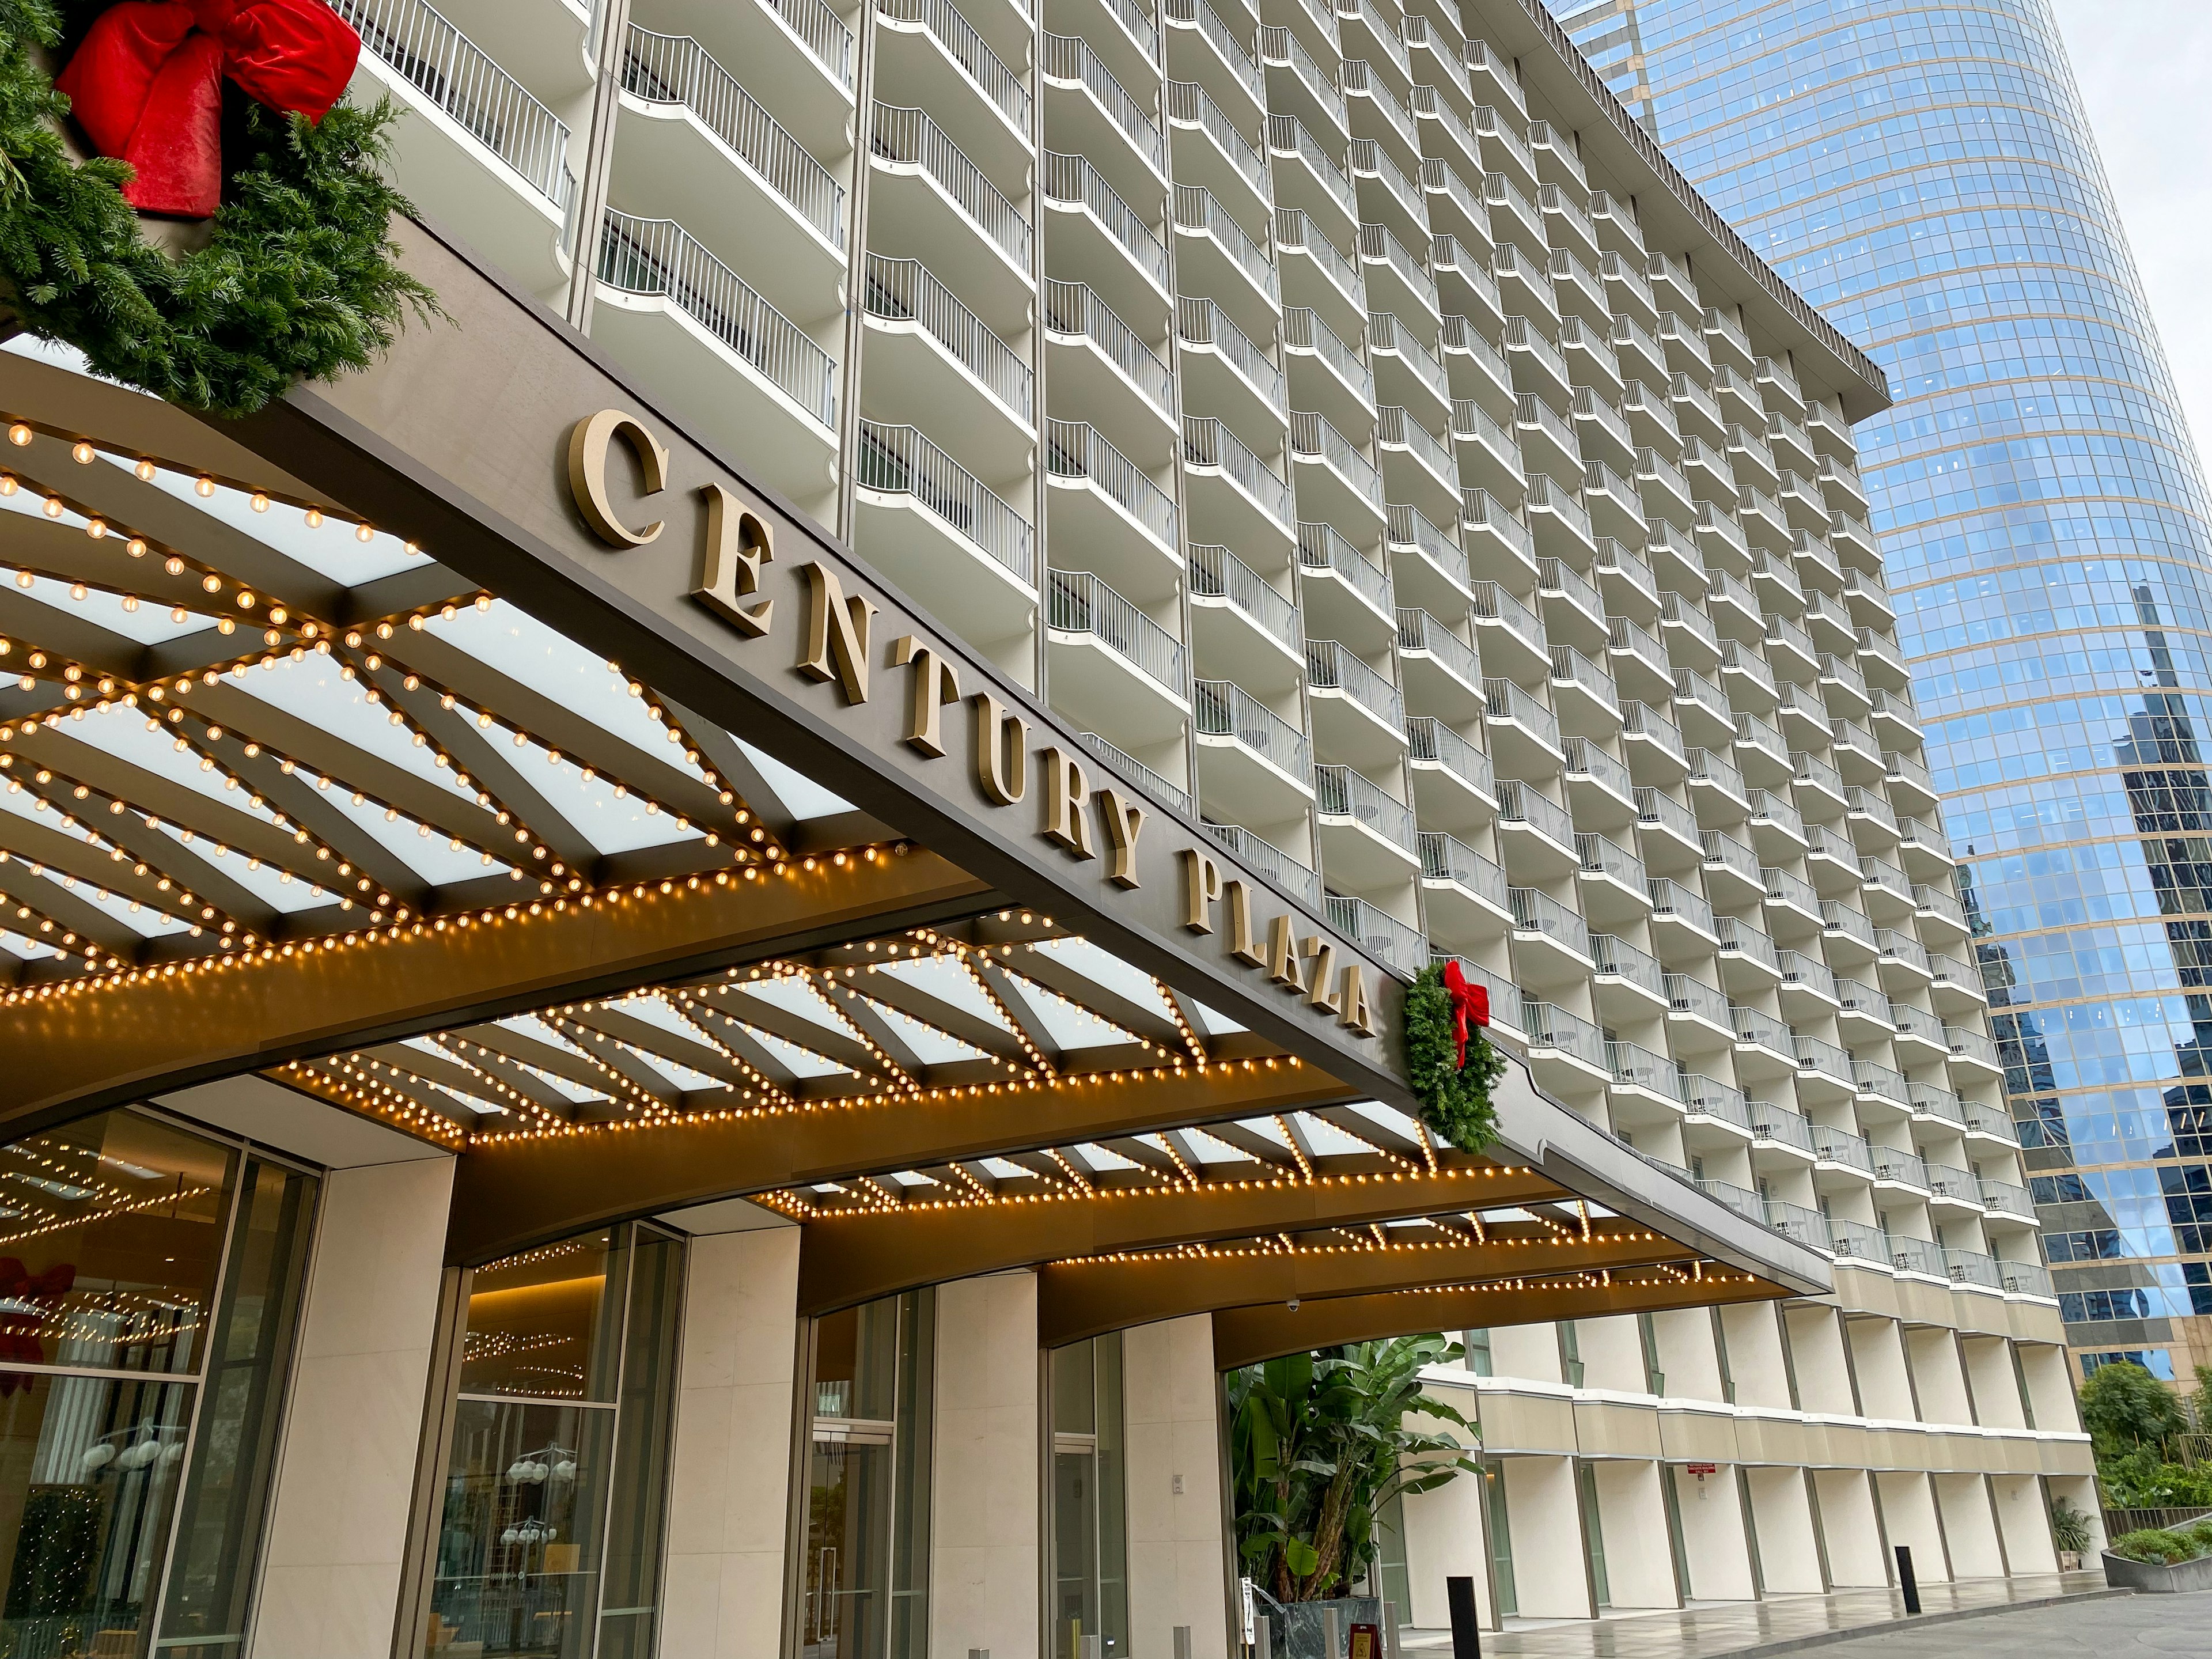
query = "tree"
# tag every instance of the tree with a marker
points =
(2203, 1402)
(1320, 1444)
(2124, 1406)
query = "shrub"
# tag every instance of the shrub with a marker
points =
(2160, 1548)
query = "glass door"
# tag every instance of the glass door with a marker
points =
(1090, 1524)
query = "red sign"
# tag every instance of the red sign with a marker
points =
(1703, 1468)
(1366, 1643)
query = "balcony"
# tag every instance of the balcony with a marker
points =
(1630, 589)
(1613, 889)
(1439, 671)
(695, 146)
(458, 108)
(1096, 364)
(1271, 861)
(1453, 780)
(1135, 771)
(1883, 1094)
(1808, 990)
(1524, 734)
(1600, 789)
(1346, 596)
(1232, 496)
(1566, 1052)
(1647, 1086)
(1334, 481)
(1408, 374)
(1468, 288)
(1700, 1018)
(1844, 1162)
(1101, 235)
(1535, 834)
(1870, 604)
(1701, 708)
(1748, 960)
(1824, 1071)
(1455, 210)
(1717, 787)
(1226, 372)
(935, 529)
(1551, 946)
(1325, 374)
(1776, 829)
(1583, 696)
(1368, 838)
(1388, 197)
(1895, 720)
(930, 357)
(1733, 875)
(1911, 786)
(927, 199)
(1793, 906)
(1831, 862)
(1201, 47)
(1630, 983)
(1488, 455)
(1464, 895)
(1351, 702)
(1112, 666)
(1208, 150)
(1654, 744)
(1804, 721)
(1214, 253)
(928, 56)
(1304, 87)
(746, 375)
(1107, 514)
(1498, 544)
(1385, 938)
(1546, 442)
(1765, 1046)
(1957, 986)
(1317, 274)
(1682, 923)
(1973, 1056)
(1666, 829)
(1241, 625)
(1603, 435)
(1418, 469)
(1095, 116)
(1782, 1140)
(2005, 1203)
(1249, 755)
(1396, 280)
(1308, 179)
(1900, 1170)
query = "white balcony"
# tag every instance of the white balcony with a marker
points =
(1096, 365)
(748, 377)
(1312, 181)
(1215, 255)
(1325, 374)
(1536, 835)
(1249, 756)
(1228, 375)
(693, 146)
(1454, 784)
(931, 359)
(1346, 596)
(1442, 675)
(1111, 667)
(1418, 469)
(799, 55)
(928, 56)
(1203, 48)
(1207, 150)
(1408, 375)
(927, 200)
(1355, 710)
(1318, 275)
(1334, 480)
(1107, 515)
(544, 44)
(1464, 895)
(1095, 235)
(1091, 113)
(472, 147)
(1242, 625)
(1367, 836)
(1234, 498)
(934, 529)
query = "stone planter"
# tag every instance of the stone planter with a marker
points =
(1302, 1624)
(2154, 1579)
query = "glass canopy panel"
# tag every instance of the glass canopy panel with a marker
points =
(130, 618)
(801, 794)
(1068, 1025)
(315, 689)
(799, 1063)
(333, 549)
(794, 997)
(611, 823)
(949, 982)
(278, 889)
(931, 1046)
(1103, 968)
(420, 847)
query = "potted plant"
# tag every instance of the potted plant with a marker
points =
(2070, 1530)
(1320, 1444)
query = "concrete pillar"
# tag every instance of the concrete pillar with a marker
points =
(1543, 1510)
(1962, 1502)
(353, 1426)
(1447, 1536)
(1908, 1508)
(1640, 1564)
(1712, 1535)
(2023, 1522)
(1754, 1352)
(1879, 1355)
(1687, 1355)
(1857, 1557)
(2051, 1384)
(729, 1485)
(1526, 1351)
(987, 1521)
(1997, 1391)
(1782, 1514)
(1178, 1559)
(1941, 1385)
(1816, 1348)
(1612, 1354)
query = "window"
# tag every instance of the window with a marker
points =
(1478, 1352)
(151, 1279)
(865, 1577)
(1089, 1522)
(1570, 1353)
(550, 1543)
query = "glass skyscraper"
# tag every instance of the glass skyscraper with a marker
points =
(1926, 176)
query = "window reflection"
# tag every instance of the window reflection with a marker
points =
(538, 1322)
(1089, 1486)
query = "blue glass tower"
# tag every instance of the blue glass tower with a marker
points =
(1925, 175)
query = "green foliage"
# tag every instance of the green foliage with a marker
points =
(298, 279)
(2139, 1478)
(2069, 1528)
(2124, 1406)
(1320, 1444)
(2165, 1548)
(1455, 1098)
(2202, 1401)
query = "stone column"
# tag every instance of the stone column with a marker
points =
(1178, 1557)
(987, 1520)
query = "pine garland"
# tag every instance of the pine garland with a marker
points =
(298, 281)
(1455, 1098)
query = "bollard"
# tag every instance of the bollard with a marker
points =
(1181, 1635)
(1466, 1619)
(1331, 1634)
(1910, 1585)
(1091, 1647)
(1390, 1630)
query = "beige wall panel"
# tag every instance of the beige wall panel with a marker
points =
(1857, 1559)
(1178, 1564)
(986, 1529)
(1605, 1428)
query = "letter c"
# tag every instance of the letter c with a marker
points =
(589, 440)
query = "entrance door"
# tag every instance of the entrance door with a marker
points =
(847, 1606)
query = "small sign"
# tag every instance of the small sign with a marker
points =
(1251, 1612)
(1701, 1470)
(1366, 1643)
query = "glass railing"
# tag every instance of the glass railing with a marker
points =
(1430, 741)
(1330, 667)
(1079, 603)
(901, 460)
(1897, 946)
(1769, 809)
(1524, 803)
(1741, 1200)
(1884, 876)
(1919, 1022)
(1708, 1096)
(1537, 912)
(1207, 442)
(1073, 449)
(1385, 938)
(1927, 1101)
(660, 257)
(1709, 768)
(1071, 178)
(904, 290)
(1842, 918)
(1673, 899)
(1636, 1067)
(1504, 701)
(1816, 773)
(1967, 1044)
(908, 138)
(1223, 708)
(1218, 574)
(1073, 311)
(1321, 548)
(1741, 938)
(1962, 1186)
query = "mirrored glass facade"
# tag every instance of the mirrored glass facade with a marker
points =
(1926, 176)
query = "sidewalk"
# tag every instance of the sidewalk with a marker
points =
(1706, 1629)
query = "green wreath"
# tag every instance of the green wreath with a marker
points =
(1455, 1098)
(297, 279)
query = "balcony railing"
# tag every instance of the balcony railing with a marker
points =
(1772, 1122)
(1071, 178)
(665, 68)
(1418, 631)
(823, 34)
(1492, 603)
(1850, 1150)
(1537, 912)
(1672, 899)
(1504, 701)
(1271, 861)
(1586, 759)
(1342, 792)
(1524, 803)
(1330, 667)
(1074, 450)
(1430, 740)
(1446, 857)
(904, 290)
(1189, 104)
(1688, 995)
(1635, 1066)
(1396, 428)
(1406, 528)
(1294, 231)
(1657, 810)
(1218, 574)
(1321, 548)
(1196, 14)
(1287, 136)
(1725, 852)
(1208, 442)
(1805, 973)
(660, 257)
(1201, 322)
(1311, 436)
(1618, 959)
(1222, 709)
(1305, 331)
(900, 459)
(908, 138)
(1741, 938)
(1378, 247)
(1869, 1078)
(1000, 84)
(1079, 603)
(1073, 311)
(447, 67)
(1068, 58)
(1138, 773)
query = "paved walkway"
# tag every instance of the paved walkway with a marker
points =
(1705, 1630)
(2121, 1628)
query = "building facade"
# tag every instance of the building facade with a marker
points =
(1926, 175)
(688, 1195)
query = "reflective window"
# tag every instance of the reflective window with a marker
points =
(1090, 1522)
(149, 1290)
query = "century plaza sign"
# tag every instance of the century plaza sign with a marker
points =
(832, 641)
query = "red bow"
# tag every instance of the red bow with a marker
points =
(1470, 1005)
(147, 85)
(19, 1283)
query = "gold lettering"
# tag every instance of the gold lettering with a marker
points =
(1202, 885)
(1002, 751)
(1324, 970)
(1064, 786)
(1356, 1015)
(738, 545)
(1283, 955)
(933, 683)
(1241, 945)
(1125, 821)
(589, 440)
(837, 633)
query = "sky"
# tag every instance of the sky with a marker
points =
(2144, 67)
